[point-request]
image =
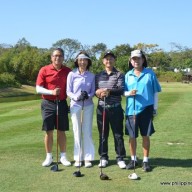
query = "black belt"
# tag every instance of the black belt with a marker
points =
(113, 105)
(55, 101)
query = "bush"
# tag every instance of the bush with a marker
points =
(169, 76)
(8, 80)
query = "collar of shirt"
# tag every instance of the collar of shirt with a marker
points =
(76, 70)
(144, 71)
(53, 68)
(113, 71)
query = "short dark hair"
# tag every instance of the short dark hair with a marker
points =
(86, 54)
(58, 49)
(144, 63)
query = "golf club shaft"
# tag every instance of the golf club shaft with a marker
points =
(57, 123)
(102, 134)
(82, 110)
(134, 120)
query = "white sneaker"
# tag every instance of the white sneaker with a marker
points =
(77, 164)
(88, 164)
(47, 161)
(122, 164)
(103, 163)
(64, 161)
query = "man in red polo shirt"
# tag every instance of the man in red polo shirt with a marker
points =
(51, 83)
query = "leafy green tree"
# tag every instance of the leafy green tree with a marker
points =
(4, 48)
(8, 80)
(122, 50)
(147, 48)
(122, 63)
(160, 60)
(181, 56)
(5, 61)
(98, 49)
(69, 46)
(27, 63)
(21, 63)
(181, 59)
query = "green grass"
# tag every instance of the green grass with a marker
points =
(12, 92)
(22, 151)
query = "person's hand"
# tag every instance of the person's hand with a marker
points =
(83, 96)
(103, 92)
(56, 91)
(133, 92)
(98, 92)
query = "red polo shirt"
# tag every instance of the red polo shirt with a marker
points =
(50, 78)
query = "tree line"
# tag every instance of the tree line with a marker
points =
(20, 63)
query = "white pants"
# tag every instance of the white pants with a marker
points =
(83, 140)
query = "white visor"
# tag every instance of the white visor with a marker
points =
(82, 56)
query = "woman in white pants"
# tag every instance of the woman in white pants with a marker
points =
(81, 89)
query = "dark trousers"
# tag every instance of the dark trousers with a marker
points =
(113, 117)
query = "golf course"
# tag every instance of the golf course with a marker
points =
(22, 149)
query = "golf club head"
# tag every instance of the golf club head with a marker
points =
(54, 168)
(104, 177)
(133, 176)
(77, 174)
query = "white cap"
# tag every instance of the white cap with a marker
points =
(136, 53)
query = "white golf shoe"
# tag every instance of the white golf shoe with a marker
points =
(103, 163)
(64, 161)
(78, 164)
(88, 164)
(47, 161)
(121, 164)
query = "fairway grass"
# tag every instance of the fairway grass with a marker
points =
(22, 151)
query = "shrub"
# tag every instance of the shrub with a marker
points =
(169, 76)
(8, 80)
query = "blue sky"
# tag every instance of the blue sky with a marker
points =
(43, 22)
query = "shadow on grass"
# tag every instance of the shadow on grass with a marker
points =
(165, 162)
(156, 162)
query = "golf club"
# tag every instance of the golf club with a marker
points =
(55, 168)
(134, 176)
(78, 173)
(102, 175)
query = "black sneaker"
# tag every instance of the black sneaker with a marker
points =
(131, 164)
(146, 167)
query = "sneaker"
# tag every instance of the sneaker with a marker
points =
(88, 164)
(64, 161)
(47, 161)
(121, 164)
(77, 164)
(103, 163)
(131, 164)
(146, 167)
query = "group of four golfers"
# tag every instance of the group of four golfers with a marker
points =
(140, 87)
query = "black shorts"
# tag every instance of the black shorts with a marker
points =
(49, 111)
(143, 122)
